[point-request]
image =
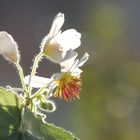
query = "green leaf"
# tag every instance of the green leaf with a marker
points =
(10, 109)
(24, 125)
(44, 131)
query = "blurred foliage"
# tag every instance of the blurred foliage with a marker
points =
(107, 23)
(110, 99)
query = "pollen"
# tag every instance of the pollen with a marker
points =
(68, 87)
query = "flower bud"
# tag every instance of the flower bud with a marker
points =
(47, 106)
(8, 47)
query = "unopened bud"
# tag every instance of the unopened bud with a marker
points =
(48, 106)
(8, 47)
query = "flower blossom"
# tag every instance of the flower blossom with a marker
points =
(69, 81)
(67, 84)
(8, 47)
(56, 44)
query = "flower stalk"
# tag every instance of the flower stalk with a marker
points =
(38, 92)
(34, 68)
(21, 75)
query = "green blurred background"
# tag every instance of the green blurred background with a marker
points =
(109, 105)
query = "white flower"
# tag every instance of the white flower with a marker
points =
(56, 44)
(8, 47)
(68, 82)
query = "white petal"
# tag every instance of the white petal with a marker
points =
(78, 63)
(8, 47)
(76, 72)
(54, 53)
(83, 60)
(57, 24)
(69, 39)
(37, 81)
(68, 61)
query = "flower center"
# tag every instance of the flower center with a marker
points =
(53, 52)
(68, 87)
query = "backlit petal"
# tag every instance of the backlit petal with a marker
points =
(57, 24)
(83, 60)
(68, 61)
(37, 81)
(69, 39)
(76, 72)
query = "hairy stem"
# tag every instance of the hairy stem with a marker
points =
(21, 75)
(34, 68)
(38, 92)
(42, 89)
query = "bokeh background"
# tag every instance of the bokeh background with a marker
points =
(109, 105)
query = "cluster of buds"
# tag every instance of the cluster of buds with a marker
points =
(56, 46)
